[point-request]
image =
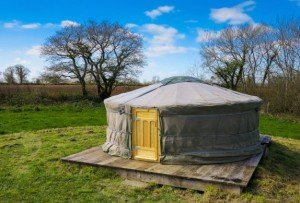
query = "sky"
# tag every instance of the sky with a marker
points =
(173, 31)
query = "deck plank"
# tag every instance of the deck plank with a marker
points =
(229, 176)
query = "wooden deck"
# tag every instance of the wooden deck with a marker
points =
(230, 176)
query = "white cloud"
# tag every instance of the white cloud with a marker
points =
(31, 26)
(154, 51)
(206, 35)
(233, 15)
(69, 23)
(19, 56)
(18, 24)
(191, 21)
(163, 40)
(11, 24)
(21, 61)
(159, 11)
(50, 25)
(34, 51)
(131, 25)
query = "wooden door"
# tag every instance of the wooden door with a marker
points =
(145, 141)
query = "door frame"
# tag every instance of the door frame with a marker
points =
(133, 131)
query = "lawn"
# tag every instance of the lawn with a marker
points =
(282, 126)
(30, 118)
(31, 170)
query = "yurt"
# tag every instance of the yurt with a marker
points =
(182, 120)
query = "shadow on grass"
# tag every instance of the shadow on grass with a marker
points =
(278, 172)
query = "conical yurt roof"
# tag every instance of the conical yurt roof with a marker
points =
(181, 91)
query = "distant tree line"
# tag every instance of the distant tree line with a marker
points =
(17, 74)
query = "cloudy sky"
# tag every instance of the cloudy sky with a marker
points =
(173, 30)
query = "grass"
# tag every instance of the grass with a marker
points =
(28, 118)
(31, 171)
(282, 126)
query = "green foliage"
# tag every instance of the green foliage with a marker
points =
(230, 73)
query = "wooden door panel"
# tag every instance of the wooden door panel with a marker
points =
(145, 134)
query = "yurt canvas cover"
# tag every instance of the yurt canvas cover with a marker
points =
(199, 123)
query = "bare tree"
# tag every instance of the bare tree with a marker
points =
(155, 79)
(288, 57)
(288, 43)
(258, 55)
(242, 55)
(9, 75)
(261, 54)
(62, 52)
(114, 53)
(196, 70)
(269, 52)
(49, 77)
(253, 40)
(229, 52)
(21, 73)
(107, 51)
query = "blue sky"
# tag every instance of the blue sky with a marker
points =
(173, 30)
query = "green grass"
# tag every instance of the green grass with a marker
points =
(282, 126)
(31, 171)
(28, 118)
(35, 138)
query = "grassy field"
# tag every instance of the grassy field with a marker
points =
(28, 118)
(31, 170)
(282, 126)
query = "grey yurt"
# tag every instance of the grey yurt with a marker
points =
(182, 120)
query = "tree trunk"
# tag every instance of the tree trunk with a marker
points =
(83, 88)
(104, 94)
(265, 77)
(98, 89)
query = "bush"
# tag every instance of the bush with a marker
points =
(279, 96)
(50, 94)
